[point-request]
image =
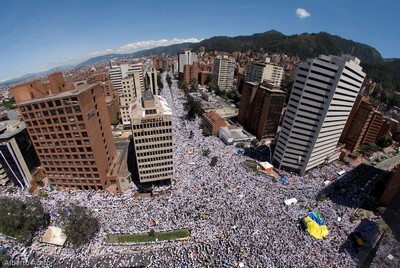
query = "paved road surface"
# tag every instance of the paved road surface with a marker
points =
(386, 164)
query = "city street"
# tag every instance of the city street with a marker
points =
(389, 163)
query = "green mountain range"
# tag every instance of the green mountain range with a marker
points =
(303, 45)
(383, 71)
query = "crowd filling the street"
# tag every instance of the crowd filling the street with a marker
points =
(236, 218)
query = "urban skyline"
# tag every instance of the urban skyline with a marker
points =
(238, 152)
(45, 35)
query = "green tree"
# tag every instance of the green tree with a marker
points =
(193, 108)
(115, 122)
(159, 83)
(9, 104)
(321, 197)
(396, 136)
(384, 141)
(152, 233)
(214, 161)
(194, 85)
(80, 225)
(208, 79)
(169, 80)
(368, 149)
(184, 86)
(206, 152)
(234, 95)
(42, 194)
(206, 131)
(22, 219)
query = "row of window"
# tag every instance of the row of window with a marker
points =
(156, 164)
(152, 125)
(70, 163)
(74, 181)
(50, 104)
(59, 138)
(61, 150)
(152, 132)
(63, 143)
(69, 175)
(32, 115)
(153, 146)
(159, 152)
(154, 159)
(157, 170)
(156, 176)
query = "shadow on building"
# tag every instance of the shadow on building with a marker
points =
(360, 243)
(260, 153)
(143, 188)
(363, 187)
(353, 189)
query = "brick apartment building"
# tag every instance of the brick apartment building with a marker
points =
(213, 122)
(260, 109)
(70, 130)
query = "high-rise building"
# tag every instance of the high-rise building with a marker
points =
(260, 109)
(126, 96)
(260, 71)
(151, 80)
(224, 70)
(191, 73)
(119, 71)
(359, 125)
(364, 126)
(186, 58)
(374, 128)
(107, 88)
(128, 80)
(70, 131)
(322, 97)
(18, 158)
(152, 138)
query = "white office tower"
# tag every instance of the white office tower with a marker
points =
(186, 58)
(224, 70)
(118, 72)
(151, 80)
(126, 95)
(322, 97)
(128, 80)
(138, 69)
(115, 74)
(259, 72)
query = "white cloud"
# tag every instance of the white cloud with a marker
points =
(132, 47)
(127, 48)
(302, 13)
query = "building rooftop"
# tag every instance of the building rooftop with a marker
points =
(213, 116)
(10, 128)
(147, 95)
(138, 111)
(73, 92)
(273, 89)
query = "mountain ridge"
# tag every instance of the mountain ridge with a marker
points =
(305, 45)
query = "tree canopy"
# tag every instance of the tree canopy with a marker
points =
(22, 219)
(193, 108)
(384, 141)
(368, 149)
(80, 225)
(214, 161)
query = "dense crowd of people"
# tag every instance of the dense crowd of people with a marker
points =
(237, 218)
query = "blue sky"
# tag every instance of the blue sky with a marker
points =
(36, 35)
